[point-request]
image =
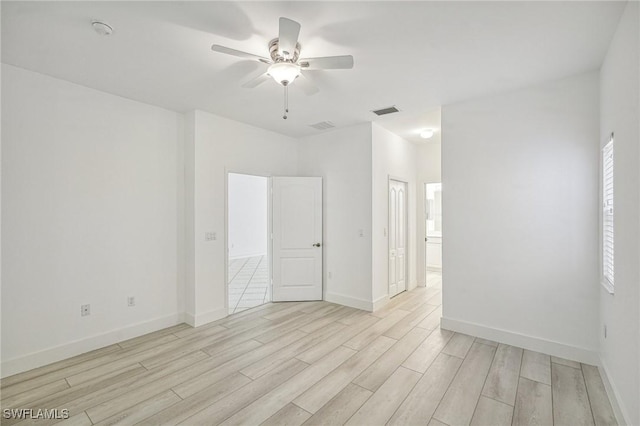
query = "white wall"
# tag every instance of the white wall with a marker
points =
(520, 209)
(343, 159)
(429, 167)
(247, 216)
(213, 147)
(395, 157)
(89, 216)
(189, 237)
(620, 312)
(429, 171)
(1, 368)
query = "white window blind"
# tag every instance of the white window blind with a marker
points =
(607, 215)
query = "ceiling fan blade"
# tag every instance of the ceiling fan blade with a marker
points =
(327, 63)
(288, 37)
(239, 53)
(254, 82)
(306, 85)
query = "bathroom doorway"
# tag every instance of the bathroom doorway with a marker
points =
(433, 234)
(248, 254)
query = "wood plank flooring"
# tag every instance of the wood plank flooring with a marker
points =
(315, 363)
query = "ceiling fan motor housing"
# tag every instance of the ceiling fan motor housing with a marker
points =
(275, 54)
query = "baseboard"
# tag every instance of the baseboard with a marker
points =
(434, 268)
(352, 302)
(206, 317)
(77, 347)
(574, 353)
(190, 319)
(622, 415)
(380, 302)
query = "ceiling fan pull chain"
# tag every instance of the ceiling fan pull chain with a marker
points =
(286, 102)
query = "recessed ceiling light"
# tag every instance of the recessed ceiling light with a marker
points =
(102, 28)
(427, 133)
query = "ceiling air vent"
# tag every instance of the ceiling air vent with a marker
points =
(323, 125)
(384, 111)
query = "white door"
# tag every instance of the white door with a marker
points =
(397, 237)
(297, 238)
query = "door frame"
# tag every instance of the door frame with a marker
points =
(406, 231)
(268, 176)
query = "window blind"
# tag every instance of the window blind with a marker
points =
(607, 215)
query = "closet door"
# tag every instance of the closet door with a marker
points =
(397, 237)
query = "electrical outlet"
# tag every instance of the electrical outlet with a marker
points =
(85, 310)
(361, 232)
(210, 236)
(131, 301)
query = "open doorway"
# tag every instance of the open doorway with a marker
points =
(433, 234)
(248, 217)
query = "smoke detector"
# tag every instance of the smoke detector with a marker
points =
(102, 28)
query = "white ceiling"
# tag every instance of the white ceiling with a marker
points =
(415, 55)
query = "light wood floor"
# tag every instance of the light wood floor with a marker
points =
(316, 363)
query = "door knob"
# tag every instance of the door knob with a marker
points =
(317, 245)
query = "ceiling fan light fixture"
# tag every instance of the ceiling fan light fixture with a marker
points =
(284, 73)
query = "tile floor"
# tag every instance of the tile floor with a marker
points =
(248, 283)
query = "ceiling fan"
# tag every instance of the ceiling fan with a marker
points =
(285, 64)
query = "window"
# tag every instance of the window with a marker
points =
(607, 216)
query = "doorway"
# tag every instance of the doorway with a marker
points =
(397, 237)
(248, 251)
(433, 234)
